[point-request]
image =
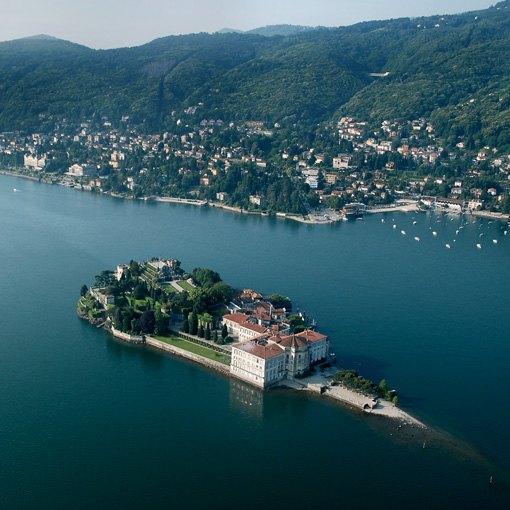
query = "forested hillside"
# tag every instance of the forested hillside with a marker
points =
(454, 70)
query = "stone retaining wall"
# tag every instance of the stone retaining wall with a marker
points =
(186, 354)
(134, 339)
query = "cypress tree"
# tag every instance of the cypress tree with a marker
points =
(193, 325)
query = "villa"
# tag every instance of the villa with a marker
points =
(269, 358)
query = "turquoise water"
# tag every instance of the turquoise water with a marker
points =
(89, 422)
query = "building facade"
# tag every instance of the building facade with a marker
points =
(269, 358)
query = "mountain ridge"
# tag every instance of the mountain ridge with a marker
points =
(435, 65)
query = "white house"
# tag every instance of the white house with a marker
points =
(259, 363)
(268, 358)
(81, 170)
(34, 162)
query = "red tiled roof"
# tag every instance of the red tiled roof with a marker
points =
(311, 336)
(292, 341)
(237, 317)
(263, 351)
(253, 327)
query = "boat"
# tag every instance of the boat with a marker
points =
(403, 232)
(481, 235)
(448, 246)
(416, 238)
(457, 232)
(505, 232)
(495, 241)
(382, 221)
(415, 222)
(394, 226)
(434, 233)
(479, 246)
(14, 189)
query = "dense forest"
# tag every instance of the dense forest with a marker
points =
(452, 69)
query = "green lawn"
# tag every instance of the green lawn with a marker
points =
(195, 349)
(170, 289)
(185, 285)
(138, 304)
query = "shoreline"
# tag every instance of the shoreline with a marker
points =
(321, 384)
(310, 384)
(410, 206)
(385, 418)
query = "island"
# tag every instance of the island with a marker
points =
(247, 335)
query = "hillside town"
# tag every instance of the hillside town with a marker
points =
(255, 167)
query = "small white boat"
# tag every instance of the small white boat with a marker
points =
(415, 222)
(403, 232)
(481, 235)
(495, 241)
(434, 233)
(416, 238)
(394, 226)
(448, 246)
(457, 232)
(14, 189)
(506, 231)
(479, 246)
(382, 221)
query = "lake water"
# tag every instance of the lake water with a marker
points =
(90, 422)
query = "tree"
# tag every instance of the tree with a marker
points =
(221, 293)
(205, 277)
(139, 291)
(160, 327)
(201, 331)
(224, 331)
(215, 336)
(280, 301)
(395, 400)
(126, 324)
(146, 322)
(185, 326)
(83, 291)
(207, 332)
(312, 199)
(105, 278)
(193, 323)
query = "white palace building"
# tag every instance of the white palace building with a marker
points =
(270, 357)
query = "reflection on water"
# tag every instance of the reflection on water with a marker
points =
(246, 399)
